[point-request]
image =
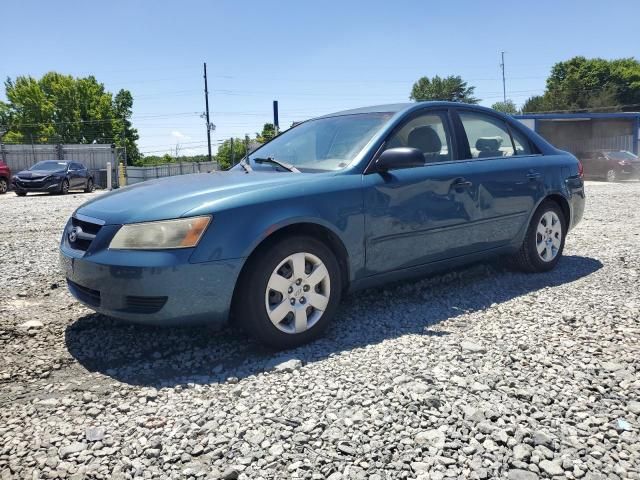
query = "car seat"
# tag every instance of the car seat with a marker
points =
(427, 140)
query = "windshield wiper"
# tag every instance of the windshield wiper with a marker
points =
(286, 166)
(244, 164)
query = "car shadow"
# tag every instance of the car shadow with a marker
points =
(160, 357)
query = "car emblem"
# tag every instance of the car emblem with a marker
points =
(73, 234)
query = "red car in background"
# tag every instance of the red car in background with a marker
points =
(610, 165)
(5, 177)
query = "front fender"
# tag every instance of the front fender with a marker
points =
(237, 232)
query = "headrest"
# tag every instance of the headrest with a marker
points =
(425, 139)
(489, 144)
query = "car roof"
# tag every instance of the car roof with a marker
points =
(403, 107)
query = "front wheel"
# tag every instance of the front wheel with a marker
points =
(64, 187)
(4, 186)
(544, 241)
(612, 176)
(289, 292)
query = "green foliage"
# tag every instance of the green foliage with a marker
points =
(506, 107)
(226, 157)
(451, 88)
(268, 132)
(147, 160)
(590, 84)
(63, 109)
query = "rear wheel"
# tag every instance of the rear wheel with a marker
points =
(64, 187)
(289, 292)
(612, 175)
(90, 186)
(544, 241)
(4, 186)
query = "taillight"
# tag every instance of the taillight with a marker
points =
(580, 169)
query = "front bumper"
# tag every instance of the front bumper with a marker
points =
(36, 185)
(156, 288)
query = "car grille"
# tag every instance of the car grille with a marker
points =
(30, 183)
(85, 233)
(84, 294)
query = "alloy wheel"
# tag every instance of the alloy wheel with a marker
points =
(3, 186)
(549, 236)
(612, 176)
(297, 293)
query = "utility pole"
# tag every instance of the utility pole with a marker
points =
(504, 88)
(206, 102)
(124, 138)
(276, 125)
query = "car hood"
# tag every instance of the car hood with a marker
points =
(173, 197)
(34, 175)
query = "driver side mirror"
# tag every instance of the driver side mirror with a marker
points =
(399, 158)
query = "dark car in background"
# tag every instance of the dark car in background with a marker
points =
(5, 176)
(611, 166)
(53, 176)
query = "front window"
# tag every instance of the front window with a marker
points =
(324, 144)
(49, 166)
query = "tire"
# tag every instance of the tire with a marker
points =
(257, 303)
(21, 194)
(611, 175)
(90, 186)
(4, 186)
(64, 187)
(528, 257)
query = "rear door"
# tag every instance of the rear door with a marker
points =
(508, 172)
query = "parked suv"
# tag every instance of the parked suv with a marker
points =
(53, 176)
(610, 165)
(5, 176)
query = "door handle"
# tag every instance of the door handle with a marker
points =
(461, 183)
(534, 176)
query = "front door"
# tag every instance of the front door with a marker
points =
(418, 215)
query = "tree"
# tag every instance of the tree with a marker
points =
(506, 107)
(63, 109)
(268, 132)
(226, 157)
(451, 88)
(586, 84)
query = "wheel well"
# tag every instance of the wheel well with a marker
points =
(563, 204)
(312, 230)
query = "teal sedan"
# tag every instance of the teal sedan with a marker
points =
(338, 203)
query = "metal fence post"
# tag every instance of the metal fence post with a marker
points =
(108, 175)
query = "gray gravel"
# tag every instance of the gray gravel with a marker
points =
(479, 373)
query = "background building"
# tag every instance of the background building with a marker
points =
(582, 132)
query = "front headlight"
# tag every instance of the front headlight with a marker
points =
(179, 233)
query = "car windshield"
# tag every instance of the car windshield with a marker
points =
(323, 144)
(49, 166)
(623, 155)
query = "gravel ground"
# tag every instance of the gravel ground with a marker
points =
(478, 373)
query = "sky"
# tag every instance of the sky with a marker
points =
(313, 57)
